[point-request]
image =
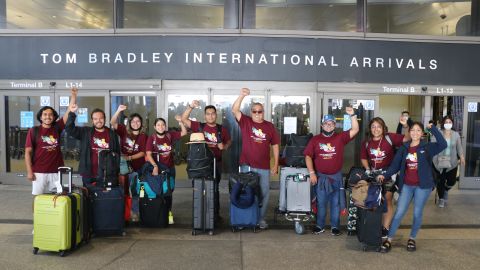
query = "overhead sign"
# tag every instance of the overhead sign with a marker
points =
(240, 58)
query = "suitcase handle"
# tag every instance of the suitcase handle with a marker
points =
(240, 168)
(69, 170)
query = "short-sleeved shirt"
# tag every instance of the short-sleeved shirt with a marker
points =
(48, 156)
(162, 148)
(411, 167)
(256, 141)
(132, 144)
(99, 141)
(211, 136)
(327, 152)
(380, 153)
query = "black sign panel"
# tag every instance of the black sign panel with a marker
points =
(238, 58)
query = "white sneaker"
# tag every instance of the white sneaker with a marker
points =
(441, 203)
(263, 225)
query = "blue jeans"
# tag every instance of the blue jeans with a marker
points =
(323, 198)
(264, 185)
(420, 197)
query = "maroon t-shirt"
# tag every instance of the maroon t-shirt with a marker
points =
(162, 148)
(411, 168)
(132, 144)
(211, 137)
(47, 157)
(99, 141)
(256, 141)
(380, 153)
(327, 152)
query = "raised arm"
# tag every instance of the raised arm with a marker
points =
(114, 120)
(186, 114)
(73, 100)
(355, 127)
(236, 105)
(70, 127)
(403, 122)
(183, 129)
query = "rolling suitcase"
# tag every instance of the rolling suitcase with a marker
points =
(369, 228)
(153, 209)
(246, 217)
(204, 204)
(107, 210)
(57, 219)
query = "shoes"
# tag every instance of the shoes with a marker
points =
(441, 203)
(336, 232)
(170, 218)
(32, 232)
(386, 246)
(384, 232)
(263, 225)
(411, 245)
(318, 230)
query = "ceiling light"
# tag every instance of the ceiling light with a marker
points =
(53, 16)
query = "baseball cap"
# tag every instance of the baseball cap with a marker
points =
(328, 117)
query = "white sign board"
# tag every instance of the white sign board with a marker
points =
(45, 101)
(369, 105)
(472, 106)
(289, 125)
(64, 101)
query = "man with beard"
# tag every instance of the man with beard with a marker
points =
(42, 150)
(217, 137)
(257, 136)
(324, 159)
(92, 141)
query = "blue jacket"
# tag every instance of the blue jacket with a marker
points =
(425, 153)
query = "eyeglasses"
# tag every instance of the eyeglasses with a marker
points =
(257, 112)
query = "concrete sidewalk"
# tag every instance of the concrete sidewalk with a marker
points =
(450, 239)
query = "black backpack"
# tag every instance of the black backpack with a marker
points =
(199, 161)
(293, 151)
(108, 168)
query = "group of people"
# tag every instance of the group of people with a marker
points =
(416, 165)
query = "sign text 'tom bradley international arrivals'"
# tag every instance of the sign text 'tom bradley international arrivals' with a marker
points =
(243, 58)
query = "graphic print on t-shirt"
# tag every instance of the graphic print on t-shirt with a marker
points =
(100, 144)
(164, 149)
(51, 142)
(412, 162)
(211, 137)
(258, 135)
(131, 146)
(328, 149)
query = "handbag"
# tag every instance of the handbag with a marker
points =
(444, 162)
(125, 166)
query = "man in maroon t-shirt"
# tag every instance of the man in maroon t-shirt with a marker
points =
(324, 159)
(217, 137)
(257, 136)
(42, 150)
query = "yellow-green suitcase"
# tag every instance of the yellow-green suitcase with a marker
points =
(57, 220)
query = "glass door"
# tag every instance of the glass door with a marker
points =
(143, 103)
(470, 175)
(365, 108)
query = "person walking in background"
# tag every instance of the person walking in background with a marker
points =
(446, 162)
(405, 116)
(415, 182)
(257, 136)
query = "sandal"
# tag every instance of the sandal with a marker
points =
(411, 246)
(386, 246)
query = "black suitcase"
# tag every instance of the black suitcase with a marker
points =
(153, 212)
(108, 206)
(369, 228)
(203, 205)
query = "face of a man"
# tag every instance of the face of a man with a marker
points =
(47, 117)
(328, 126)
(257, 113)
(98, 120)
(210, 116)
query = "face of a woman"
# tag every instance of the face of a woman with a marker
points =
(416, 133)
(160, 126)
(376, 129)
(448, 121)
(136, 123)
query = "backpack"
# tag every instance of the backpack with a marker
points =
(293, 151)
(35, 136)
(219, 131)
(199, 161)
(108, 168)
(242, 196)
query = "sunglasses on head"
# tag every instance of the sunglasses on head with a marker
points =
(257, 112)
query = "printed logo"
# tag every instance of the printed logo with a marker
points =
(258, 135)
(164, 149)
(101, 143)
(51, 142)
(212, 137)
(130, 145)
(377, 153)
(326, 147)
(412, 157)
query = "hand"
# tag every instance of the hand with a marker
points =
(349, 110)
(220, 146)
(381, 178)
(344, 212)
(429, 126)
(462, 161)
(245, 92)
(313, 179)
(274, 170)
(31, 176)
(72, 107)
(194, 104)
(155, 171)
(122, 108)
(178, 118)
(74, 91)
(403, 121)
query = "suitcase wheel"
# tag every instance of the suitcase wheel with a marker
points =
(254, 229)
(299, 228)
(210, 232)
(35, 250)
(233, 229)
(194, 232)
(124, 233)
(62, 253)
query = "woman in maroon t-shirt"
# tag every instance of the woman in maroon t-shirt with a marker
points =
(160, 151)
(377, 152)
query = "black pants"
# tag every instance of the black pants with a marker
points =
(445, 181)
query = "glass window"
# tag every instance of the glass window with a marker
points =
(174, 14)
(472, 155)
(303, 15)
(291, 106)
(58, 14)
(146, 106)
(440, 18)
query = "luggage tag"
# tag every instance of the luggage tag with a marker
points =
(142, 192)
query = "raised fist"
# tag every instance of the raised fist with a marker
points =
(245, 92)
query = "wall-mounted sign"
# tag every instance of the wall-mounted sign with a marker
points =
(82, 115)
(45, 101)
(472, 106)
(369, 105)
(26, 119)
(64, 101)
